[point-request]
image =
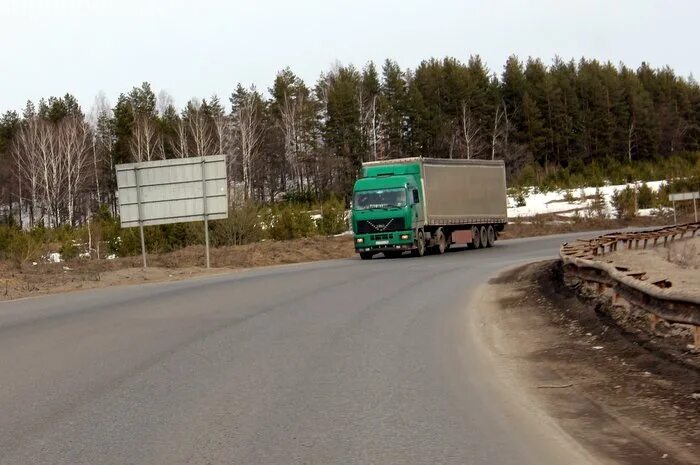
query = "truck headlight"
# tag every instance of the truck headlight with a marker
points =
(404, 237)
(359, 240)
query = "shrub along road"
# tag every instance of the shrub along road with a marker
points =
(332, 362)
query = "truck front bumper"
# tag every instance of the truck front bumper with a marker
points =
(384, 242)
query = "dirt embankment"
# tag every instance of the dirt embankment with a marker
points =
(626, 398)
(29, 279)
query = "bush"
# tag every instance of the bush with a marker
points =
(290, 222)
(6, 233)
(518, 194)
(569, 196)
(68, 250)
(24, 248)
(124, 242)
(624, 202)
(597, 207)
(333, 219)
(645, 197)
(241, 227)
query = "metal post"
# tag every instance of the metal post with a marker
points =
(674, 212)
(138, 201)
(695, 208)
(204, 212)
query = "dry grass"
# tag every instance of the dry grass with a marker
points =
(44, 278)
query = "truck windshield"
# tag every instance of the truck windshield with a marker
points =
(385, 198)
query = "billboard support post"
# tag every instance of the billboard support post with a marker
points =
(694, 196)
(138, 200)
(673, 202)
(204, 213)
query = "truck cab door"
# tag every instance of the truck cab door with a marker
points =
(417, 208)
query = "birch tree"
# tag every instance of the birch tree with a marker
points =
(179, 143)
(73, 146)
(500, 128)
(470, 132)
(220, 126)
(248, 119)
(26, 157)
(199, 129)
(145, 143)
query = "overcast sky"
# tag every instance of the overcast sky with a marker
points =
(200, 47)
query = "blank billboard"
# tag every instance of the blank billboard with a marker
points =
(171, 191)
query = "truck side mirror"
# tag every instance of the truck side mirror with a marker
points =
(415, 196)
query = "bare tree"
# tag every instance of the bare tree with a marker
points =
(51, 170)
(179, 143)
(470, 132)
(145, 143)
(290, 119)
(369, 122)
(163, 101)
(98, 114)
(249, 129)
(221, 125)
(500, 128)
(200, 130)
(53, 160)
(630, 138)
(73, 145)
(26, 156)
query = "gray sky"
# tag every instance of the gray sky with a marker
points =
(200, 47)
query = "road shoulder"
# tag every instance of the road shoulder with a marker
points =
(621, 401)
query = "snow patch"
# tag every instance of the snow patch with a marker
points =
(571, 202)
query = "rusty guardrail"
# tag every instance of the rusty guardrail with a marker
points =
(582, 259)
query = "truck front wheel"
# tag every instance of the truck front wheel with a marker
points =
(366, 255)
(419, 251)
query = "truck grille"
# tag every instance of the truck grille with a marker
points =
(383, 225)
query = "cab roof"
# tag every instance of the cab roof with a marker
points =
(382, 182)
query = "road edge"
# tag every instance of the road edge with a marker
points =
(527, 409)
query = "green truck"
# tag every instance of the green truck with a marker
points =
(424, 205)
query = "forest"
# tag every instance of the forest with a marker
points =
(299, 141)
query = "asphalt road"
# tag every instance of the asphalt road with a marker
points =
(338, 362)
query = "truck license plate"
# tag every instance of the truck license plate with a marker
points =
(381, 242)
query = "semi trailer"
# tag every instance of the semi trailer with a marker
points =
(424, 205)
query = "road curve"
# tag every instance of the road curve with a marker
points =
(337, 362)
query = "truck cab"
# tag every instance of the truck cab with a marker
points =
(386, 209)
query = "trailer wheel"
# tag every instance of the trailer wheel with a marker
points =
(419, 251)
(366, 255)
(484, 237)
(476, 239)
(491, 236)
(440, 242)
